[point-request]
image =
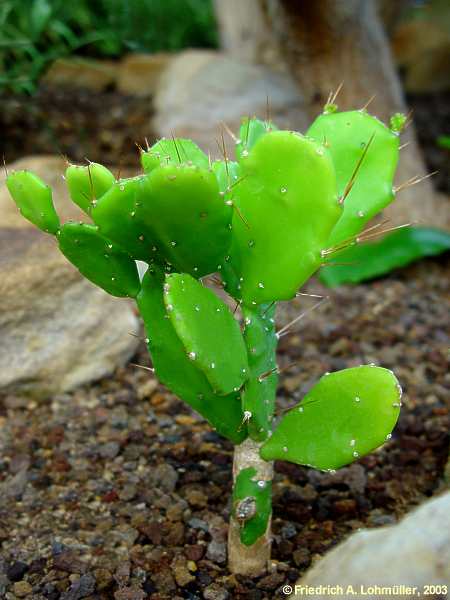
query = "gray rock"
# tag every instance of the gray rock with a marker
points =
(200, 89)
(217, 552)
(164, 477)
(414, 553)
(57, 330)
(81, 588)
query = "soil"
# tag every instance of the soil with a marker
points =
(118, 490)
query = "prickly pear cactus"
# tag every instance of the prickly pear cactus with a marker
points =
(264, 223)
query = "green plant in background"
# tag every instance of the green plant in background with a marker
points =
(265, 223)
(33, 33)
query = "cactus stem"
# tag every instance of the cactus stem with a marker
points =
(251, 560)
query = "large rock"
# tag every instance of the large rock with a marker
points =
(201, 89)
(94, 75)
(57, 330)
(414, 553)
(139, 74)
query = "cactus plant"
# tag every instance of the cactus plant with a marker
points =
(264, 223)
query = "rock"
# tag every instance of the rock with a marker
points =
(164, 477)
(81, 588)
(14, 486)
(200, 89)
(22, 589)
(58, 330)
(217, 552)
(139, 74)
(414, 553)
(94, 75)
(129, 593)
(181, 572)
(16, 570)
(215, 592)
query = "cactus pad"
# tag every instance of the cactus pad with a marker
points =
(98, 259)
(180, 373)
(352, 137)
(173, 152)
(287, 204)
(206, 327)
(171, 216)
(34, 200)
(344, 416)
(87, 184)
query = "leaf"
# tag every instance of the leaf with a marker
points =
(344, 416)
(394, 250)
(210, 334)
(175, 152)
(247, 486)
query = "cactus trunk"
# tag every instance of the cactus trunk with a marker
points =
(249, 468)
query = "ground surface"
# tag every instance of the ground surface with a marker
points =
(120, 491)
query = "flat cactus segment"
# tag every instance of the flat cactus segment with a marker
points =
(344, 416)
(34, 200)
(252, 505)
(99, 260)
(189, 218)
(249, 133)
(120, 217)
(286, 202)
(173, 215)
(87, 184)
(210, 334)
(173, 152)
(258, 395)
(177, 371)
(352, 137)
(227, 173)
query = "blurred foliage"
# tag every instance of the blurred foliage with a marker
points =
(443, 141)
(394, 250)
(33, 33)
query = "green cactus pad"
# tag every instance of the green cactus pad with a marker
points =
(249, 133)
(258, 395)
(206, 327)
(287, 206)
(87, 184)
(248, 487)
(98, 259)
(177, 371)
(34, 200)
(175, 215)
(173, 152)
(344, 416)
(227, 173)
(347, 135)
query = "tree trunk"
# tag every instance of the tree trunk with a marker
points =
(323, 44)
(249, 560)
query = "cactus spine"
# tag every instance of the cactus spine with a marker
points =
(265, 223)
